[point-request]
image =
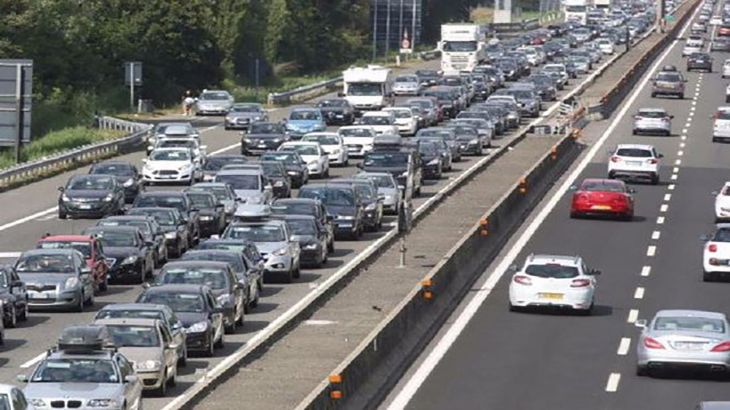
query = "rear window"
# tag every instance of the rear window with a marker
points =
(652, 114)
(602, 186)
(722, 115)
(722, 235)
(552, 271)
(689, 324)
(634, 153)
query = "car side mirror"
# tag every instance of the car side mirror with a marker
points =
(671, 117)
(23, 378)
(641, 323)
(594, 272)
(130, 378)
(61, 189)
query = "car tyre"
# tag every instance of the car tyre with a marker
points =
(331, 247)
(708, 277)
(297, 272)
(24, 314)
(162, 390)
(289, 277)
(653, 95)
(13, 322)
(655, 180)
(62, 215)
(681, 96)
(641, 371)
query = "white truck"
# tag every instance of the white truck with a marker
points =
(462, 46)
(577, 10)
(368, 88)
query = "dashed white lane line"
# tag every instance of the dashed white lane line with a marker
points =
(680, 153)
(651, 250)
(47, 217)
(7, 255)
(633, 315)
(675, 170)
(656, 235)
(667, 197)
(660, 220)
(684, 131)
(688, 124)
(623, 347)
(692, 109)
(613, 380)
(693, 103)
(678, 162)
(682, 145)
(639, 293)
(673, 177)
(671, 187)
(684, 137)
(663, 208)
(646, 271)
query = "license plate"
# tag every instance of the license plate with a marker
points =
(633, 163)
(601, 207)
(554, 296)
(84, 206)
(689, 345)
(339, 116)
(262, 145)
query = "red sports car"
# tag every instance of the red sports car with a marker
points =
(602, 197)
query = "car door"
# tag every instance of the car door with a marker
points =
(169, 348)
(294, 246)
(132, 390)
(85, 275)
(176, 330)
(237, 290)
(99, 266)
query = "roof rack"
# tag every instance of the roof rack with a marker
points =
(84, 338)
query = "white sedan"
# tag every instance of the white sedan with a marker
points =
(382, 122)
(405, 120)
(716, 256)
(553, 281)
(171, 165)
(333, 144)
(722, 203)
(318, 163)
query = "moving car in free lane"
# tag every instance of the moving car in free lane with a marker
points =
(722, 203)
(683, 339)
(242, 115)
(652, 120)
(553, 281)
(152, 232)
(716, 254)
(128, 255)
(635, 161)
(91, 196)
(90, 247)
(668, 83)
(602, 197)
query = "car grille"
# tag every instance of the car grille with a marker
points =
(354, 147)
(40, 288)
(66, 404)
(167, 172)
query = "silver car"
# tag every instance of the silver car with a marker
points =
(684, 339)
(714, 405)
(387, 190)
(406, 84)
(249, 185)
(223, 193)
(213, 102)
(242, 115)
(652, 120)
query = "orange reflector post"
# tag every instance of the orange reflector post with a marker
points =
(336, 394)
(335, 378)
(427, 295)
(426, 282)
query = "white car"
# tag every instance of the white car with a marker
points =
(406, 84)
(199, 151)
(722, 203)
(635, 161)
(358, 139)
(405, 120)
(382, 122)
(716, 256)
(318, 163)
(726, 69)
(14, 398)
(333, 144)
(605, 45)
(716, 20)
(721, 125)
(171, 165)
(553, 281)
(690, 49)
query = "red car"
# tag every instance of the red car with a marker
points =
(723, 31)
(603, 197)
(90, 247)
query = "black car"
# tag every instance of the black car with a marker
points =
(214, 163)
(211, 213)
(337, 111)
(433, 160)
(90, 196)
(403, 163)
(699, 61)
(275, 172)
(152, 232)
(296, 167)
(343, 203)
(177, 200)
(248, 275)
(308, 207)
(197, 309)
(545, 86)
(446, 101)
(126, 174)
(262, 137)
(371, 202)
(128, 256)
(173, 226)
(254, 260)
(312, 237)
(14, 297)
(428, 78)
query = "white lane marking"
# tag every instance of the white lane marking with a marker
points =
(675, 169)
(663, 208)
(682, 145)
(27, 218)
(678, 162)
(680, 153)
(206, 129)
(33, 361)
(646, 271)
(683, 137)
(623, 347)
(693, 104)
(639, 293)
(673, 177)
(692, 109)
(10, 254)
(660, 220)
(656, 235)
(667, 197)
(453, 332)
(651, 250)
(633, 315)
(46, 218)
(613, 380)
(684, 131)
(671, 187)
(224, 149)
(688, 124)
(315, 322)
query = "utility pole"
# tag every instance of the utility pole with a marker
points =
(375, 30)
(413, 27)
(19, 105)
(387, 33)
(131, 86)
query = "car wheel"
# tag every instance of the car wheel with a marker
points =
(641, 371)
(714, 139)
(80, 305)
(173, 380)
(13, 322)
(221, 342)
(655, 179)
(708, 277)
(297, 272)
(90, 300)
(162, 390)
(653, 95)
(289, 276)
(24, 314)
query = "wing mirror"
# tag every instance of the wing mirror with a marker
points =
(513, 268)
(23, 378)
(594, 272)
(61, 189)
(705, 237)
(130, 379)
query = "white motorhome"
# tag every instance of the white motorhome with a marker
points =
(368, 88)
(462, 46)
(577, 10)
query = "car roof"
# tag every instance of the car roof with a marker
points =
(128, 217)
(177, 287)
(239, 171)
(689, 313)
(128, 321)
(66, 251)
(635, 146)
(134, 306)
(62, 238)
(209, 251)
(652, 110)
(112, 228)
(194, 263)
(554, 259)
(312, 201)
(264, 222)
(306, 110)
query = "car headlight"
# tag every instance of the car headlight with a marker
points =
(197, 327)
(224, 299)
(170, 235)
(183, 167)
(128, 183)
(71, 283)
(310, 247)
(475, 141)
(370, 207)
(247, 140)
(130, 260)
(229, 119)
(109, 197)
(37, 402)
(336, 151)
(206, 218)
(293, 173)
(279, 183)
(281, 252)
(433, 162)
(148, 365)
(257, 118)
(147, 167)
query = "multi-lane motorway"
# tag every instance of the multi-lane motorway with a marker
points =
(490, 357)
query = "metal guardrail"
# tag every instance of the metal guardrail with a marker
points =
(288, 96)
(78, 156)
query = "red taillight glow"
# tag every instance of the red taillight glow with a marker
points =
(523, 280)
(580, 283)
(652, 343)
(712, 247)
(722, 347)
(653, 161)
(615, 159)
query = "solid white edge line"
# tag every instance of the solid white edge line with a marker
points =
(444, 344)
(633, 315)
(33, 361)
(623, 347)
(612, 384)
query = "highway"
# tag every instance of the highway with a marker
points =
(491, 358)
(29, 212)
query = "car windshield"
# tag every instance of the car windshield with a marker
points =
(323, 139)
(215, 96)
(652, 114)
(240, 182)
(428, 149)
(75, 371)
(246, 108)
(689, 324)
(329, 195)
(283, 208)
(214, 278)
(427, 73)
(555, 271)
(129, 314)
(177, 144)
(170, 155)
(45, 264)
(634, 153)
(722, 115)
(202, 200)
(116, 239)
(273, 170)
(365, 89)
(143, 226)
(160, 201)
(669, 77)
(406, 79)
(119, 170)
(332, 103)
(90, 184)
(380, 181)
(385, 159)
(133, 336)
(256, 233)
(440, 95)
(83, 247)
(356, 132)
(305, 115)
(285, 157)
(235, 262)
(301, 149)
(216, 163)
(421, 103)
(602, 186)
(164, 217)
(460, 46)
(178, 302)
(432, 133)
(302, 226)
(266, 128)
(402, 113)
(377, 120)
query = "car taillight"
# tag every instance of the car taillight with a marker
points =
(722, 347)
(523, 280)
(712, 247)
(615, 159)
(653, 161)
(580, 283)
(652, 343)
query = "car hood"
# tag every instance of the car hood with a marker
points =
(341, 210)
(305, 238)
(265, 136)
(190, 318)
(45, 278)
(141, 354)
(84, 193)
(175, 165)
(309, 158)
(268, 247)
(247, 193)
(358, 140)
(73, 390)
(235, 114)
(120, 251)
